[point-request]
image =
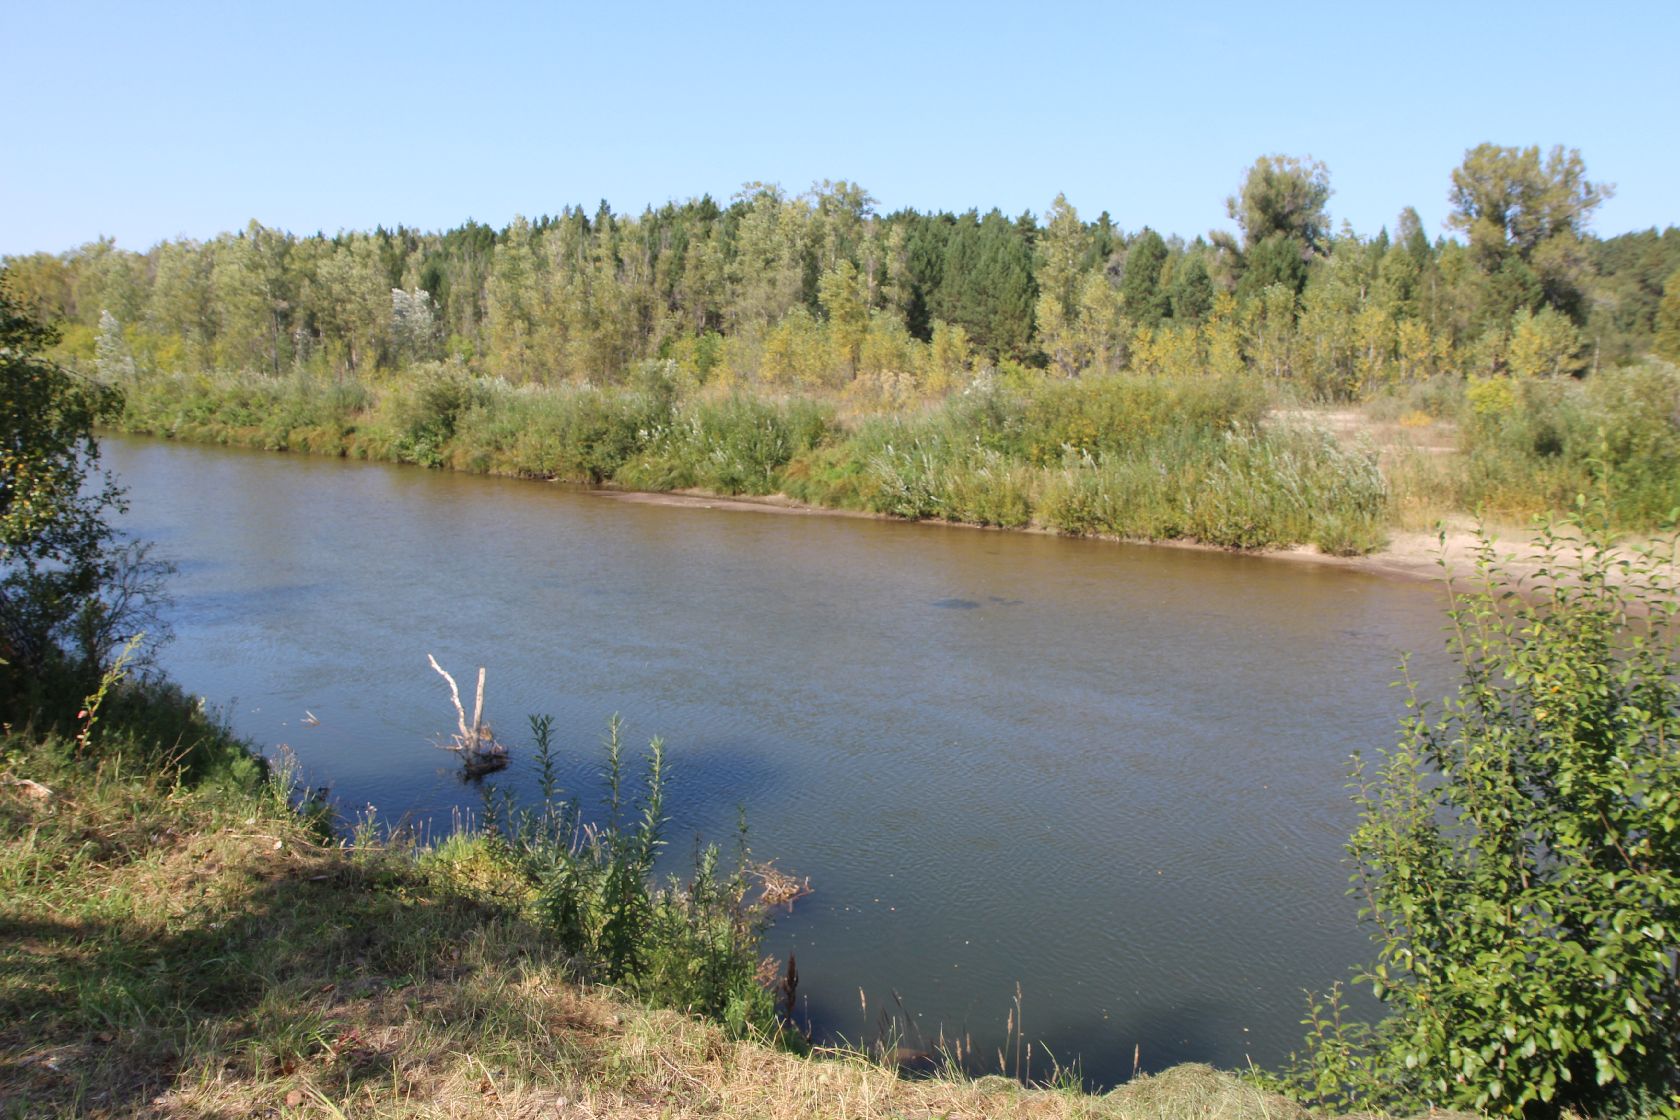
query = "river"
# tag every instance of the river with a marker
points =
(1109, 776)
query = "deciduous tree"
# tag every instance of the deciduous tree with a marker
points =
(1283, 195)
(1518, 855)
(64, 577)
(1517, 208)
(1544, 344)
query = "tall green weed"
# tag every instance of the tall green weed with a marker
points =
(693, 944)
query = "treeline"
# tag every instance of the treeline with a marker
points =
(820, 291)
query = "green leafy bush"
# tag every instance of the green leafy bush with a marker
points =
(1518, 854)
(736, 444)
(1534, 445)
(423, 410)
(573, 433)
(692, 945)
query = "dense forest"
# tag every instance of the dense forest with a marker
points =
(820, 290)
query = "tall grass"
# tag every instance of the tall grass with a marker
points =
(1251, 489)
(1128, 457)
(300, 411)
(1531, 446)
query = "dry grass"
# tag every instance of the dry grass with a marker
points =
(1419, 455)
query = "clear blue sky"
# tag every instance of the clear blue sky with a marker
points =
(143, 121)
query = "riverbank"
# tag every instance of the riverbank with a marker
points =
(1201, 462)
(189, 950)
(1451, 552)
(1133, 457)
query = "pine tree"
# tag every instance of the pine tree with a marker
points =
(1667, 342)
(1141, 293)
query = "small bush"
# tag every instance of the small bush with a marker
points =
(577, 434)
(1518, 852)
(1534, 445)
(693, 946)
(731, 445)
(421, 412)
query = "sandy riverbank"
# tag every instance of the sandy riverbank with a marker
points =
(1450, 551)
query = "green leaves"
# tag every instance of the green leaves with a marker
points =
(1518, 856)
(1285, 196)
(58, 557)
(691, 944)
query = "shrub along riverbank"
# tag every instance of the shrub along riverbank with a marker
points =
(1530, 446)
(1137, 457)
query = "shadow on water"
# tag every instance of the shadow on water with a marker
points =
(1144, 1040)
(957, 603)
(708, 783)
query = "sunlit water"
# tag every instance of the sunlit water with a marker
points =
(1111, 775)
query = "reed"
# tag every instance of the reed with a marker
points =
(1530, 446)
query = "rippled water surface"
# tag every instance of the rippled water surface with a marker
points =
(1111, 774)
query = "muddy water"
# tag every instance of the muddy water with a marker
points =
(1111, 775)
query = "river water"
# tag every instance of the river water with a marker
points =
(1109, 777)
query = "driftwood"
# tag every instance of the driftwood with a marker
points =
(474, 742)
(780, 888)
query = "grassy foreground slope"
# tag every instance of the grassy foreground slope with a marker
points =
(169, 949)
